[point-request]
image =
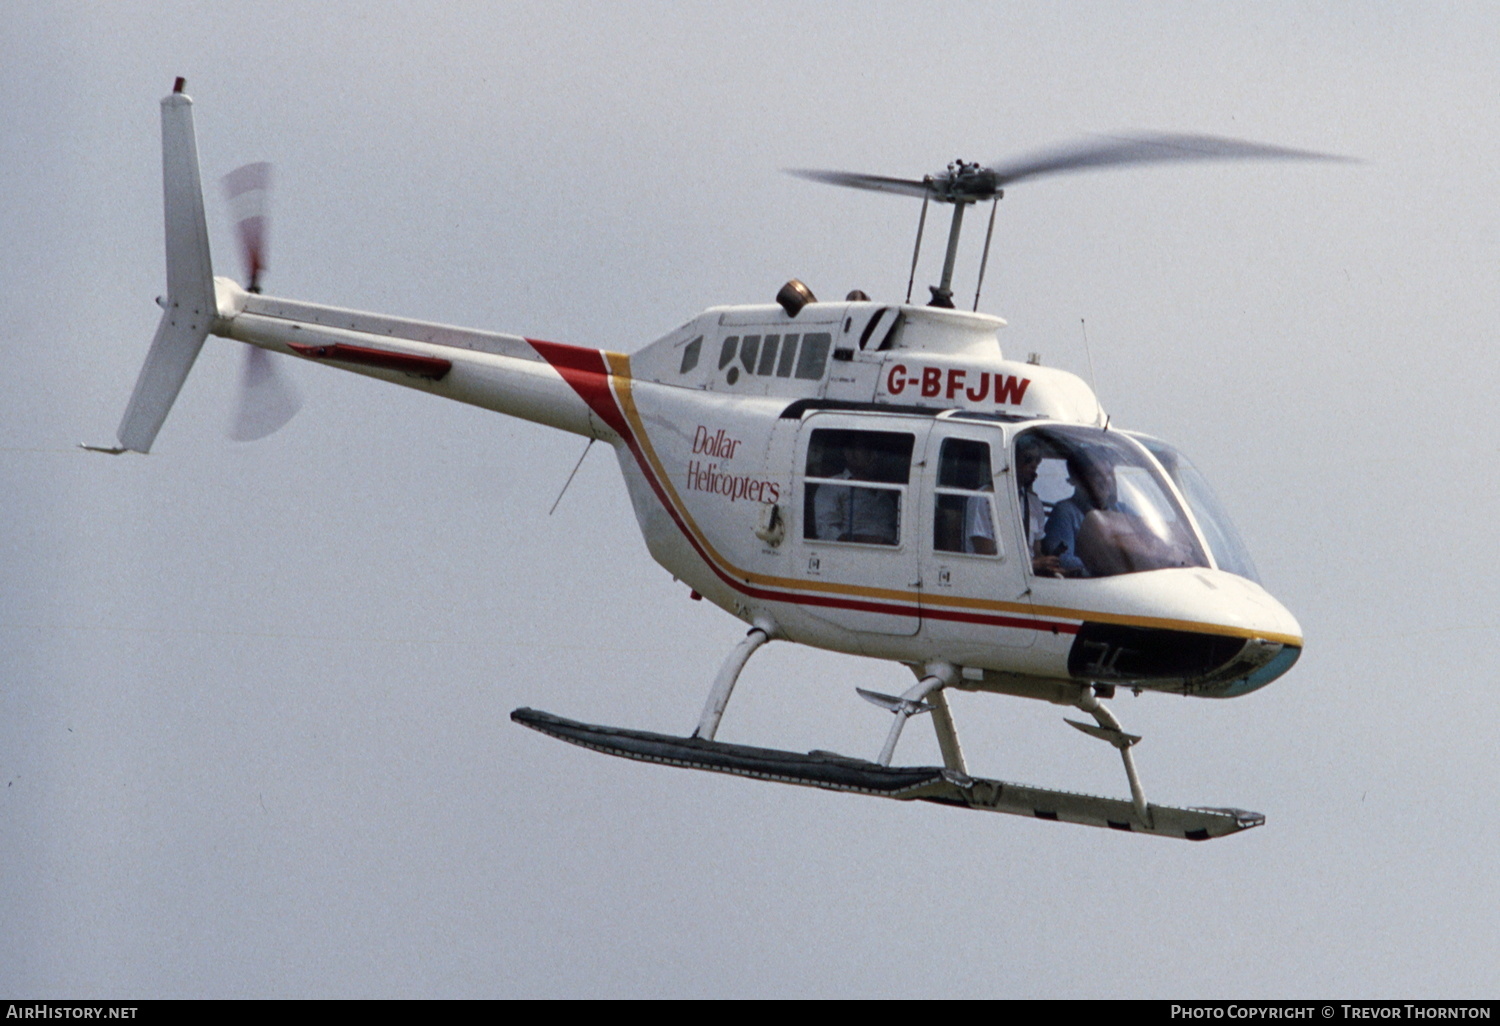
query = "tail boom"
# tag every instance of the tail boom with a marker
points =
(509, 374)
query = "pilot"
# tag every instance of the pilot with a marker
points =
(1093, 477)
(847, 513)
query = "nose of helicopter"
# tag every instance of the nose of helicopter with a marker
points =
(1274, 625)
(1205, 632)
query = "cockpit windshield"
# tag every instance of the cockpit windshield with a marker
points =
(1096, 505)
(1229, 551)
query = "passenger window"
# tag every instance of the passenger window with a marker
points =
(788, 353)
(690, 355)
(749, 346)
(813, 359)
(726, 354)
(868, 513)
(763, 356)
(963, 514)
(768, 356)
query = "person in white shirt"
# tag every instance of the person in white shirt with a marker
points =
(1033, 512)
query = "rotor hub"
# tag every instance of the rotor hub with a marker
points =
(963, 182)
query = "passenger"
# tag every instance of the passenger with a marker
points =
(979, 526)
(847, 513)
(1033, 513)
(1093, 478)
(967, 465)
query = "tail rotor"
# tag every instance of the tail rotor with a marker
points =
(248, 190)
(267, 397)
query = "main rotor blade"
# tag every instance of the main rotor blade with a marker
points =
(972, 183)
(853, 180)
(1151, 148)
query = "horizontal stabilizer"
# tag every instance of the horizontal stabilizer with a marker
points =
(904, 783)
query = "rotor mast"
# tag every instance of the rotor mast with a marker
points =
(963, 184)
(942, 293)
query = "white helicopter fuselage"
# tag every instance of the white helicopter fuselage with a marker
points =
(868, 478)
(716, 427)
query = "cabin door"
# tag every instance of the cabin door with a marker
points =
(973, 552)
(856, 529)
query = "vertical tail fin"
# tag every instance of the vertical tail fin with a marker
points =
(189, 307)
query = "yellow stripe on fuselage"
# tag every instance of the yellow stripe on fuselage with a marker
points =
(620, 379)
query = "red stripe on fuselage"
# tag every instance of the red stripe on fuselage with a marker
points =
(587, 371)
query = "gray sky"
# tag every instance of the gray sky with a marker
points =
(253, 734)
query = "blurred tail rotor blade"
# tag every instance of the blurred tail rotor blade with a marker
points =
(248, 190)
(268, 399)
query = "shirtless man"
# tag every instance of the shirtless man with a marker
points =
(1093, 478)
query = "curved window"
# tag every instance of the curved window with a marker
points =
(1228, 549)
(726, 353)
(1098, 506)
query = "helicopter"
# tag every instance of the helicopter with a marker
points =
(868, 477)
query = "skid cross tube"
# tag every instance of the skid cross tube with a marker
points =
(947, 734)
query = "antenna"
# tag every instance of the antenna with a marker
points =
(1085, 326)
(1092, 387)
(569, 481)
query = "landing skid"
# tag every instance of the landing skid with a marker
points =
(904, 783)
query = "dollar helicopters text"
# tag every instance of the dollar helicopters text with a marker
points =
(871, 478)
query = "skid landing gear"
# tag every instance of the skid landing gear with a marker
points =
(729, 674)
(936, 677)
(927, 697)
(1108, 729)
(949, 784)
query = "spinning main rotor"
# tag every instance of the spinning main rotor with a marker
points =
(963, 183)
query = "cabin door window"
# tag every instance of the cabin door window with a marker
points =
(974, 590)
(856, 525)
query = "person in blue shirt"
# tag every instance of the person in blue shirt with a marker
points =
(1092, 475)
